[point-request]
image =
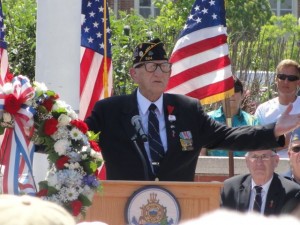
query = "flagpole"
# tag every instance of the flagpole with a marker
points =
(105, 82)
(228, 115)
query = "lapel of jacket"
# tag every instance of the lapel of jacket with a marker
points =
(274, 196)
(244, 195)
(130, 109)
(171, 129)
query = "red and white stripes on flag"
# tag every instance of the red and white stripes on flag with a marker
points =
(95, 64)
(200, 63)
(4, 69)
(91, 80)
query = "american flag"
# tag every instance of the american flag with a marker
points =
(201, 65)
(4, 70)
(95, 65)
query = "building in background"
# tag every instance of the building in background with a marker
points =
(146, 8)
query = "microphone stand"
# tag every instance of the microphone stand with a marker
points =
(144, 162)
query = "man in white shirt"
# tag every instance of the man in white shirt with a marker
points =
(287, 81)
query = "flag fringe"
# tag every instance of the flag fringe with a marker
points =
(217, 97)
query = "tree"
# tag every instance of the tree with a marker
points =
(20, 21)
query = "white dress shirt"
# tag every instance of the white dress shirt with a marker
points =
(264, 192)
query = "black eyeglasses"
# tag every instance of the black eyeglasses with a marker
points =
(151, 66)
(282, 76)
(296, 149)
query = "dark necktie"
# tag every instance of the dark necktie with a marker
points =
(155, 145)
(257, 200)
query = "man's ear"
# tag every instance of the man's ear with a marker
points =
(132, 73)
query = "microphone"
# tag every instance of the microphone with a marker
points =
(137, 123)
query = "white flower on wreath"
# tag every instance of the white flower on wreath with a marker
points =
(68, 194)
(7, 117)
(61, 146)
(73, 166)
(52, 179)
(40, 87)
(61, 133)
(88, 192)
(63, 120)
(76, 134)
(95, 154)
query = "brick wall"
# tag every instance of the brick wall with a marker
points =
(124, 5)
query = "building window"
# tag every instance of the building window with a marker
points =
(146, 8)
(282, 7)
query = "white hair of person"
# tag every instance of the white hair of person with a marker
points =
(92, 223)
(230, 217)
(29, 210)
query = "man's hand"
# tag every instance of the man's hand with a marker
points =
(287, 122)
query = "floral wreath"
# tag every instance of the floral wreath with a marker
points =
(34, 113)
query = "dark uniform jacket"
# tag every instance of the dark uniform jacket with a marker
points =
(191, 130)
(237, 190)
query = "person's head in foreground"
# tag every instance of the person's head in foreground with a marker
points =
(261, 165)
(230, 217)
(28, 210)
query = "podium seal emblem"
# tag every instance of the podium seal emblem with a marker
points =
(152, 205)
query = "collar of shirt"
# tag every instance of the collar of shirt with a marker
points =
(144, 103)
(265, 189)
(265, 186)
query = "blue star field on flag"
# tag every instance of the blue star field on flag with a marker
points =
(2, 29)
(205, 13)
(92, 29)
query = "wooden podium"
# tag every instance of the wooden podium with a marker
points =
(194, 198)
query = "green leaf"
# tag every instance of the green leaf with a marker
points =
(43, 185)
(89, 167)
(85, 201)
(2, 129)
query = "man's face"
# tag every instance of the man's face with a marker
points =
(261, 165)
(286, 87)
(151, 84)
(294, 156)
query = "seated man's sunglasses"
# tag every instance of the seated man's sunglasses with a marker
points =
(282, 76)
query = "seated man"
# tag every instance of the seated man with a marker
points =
(294, 157)
(262, 190)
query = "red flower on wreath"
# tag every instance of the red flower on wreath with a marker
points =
(95, 146)
(82, 126)
(42, 192)
(9, 77)
(50, 126)
(12, 104)
(76, 207)
(60, 163)
(48, 104)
